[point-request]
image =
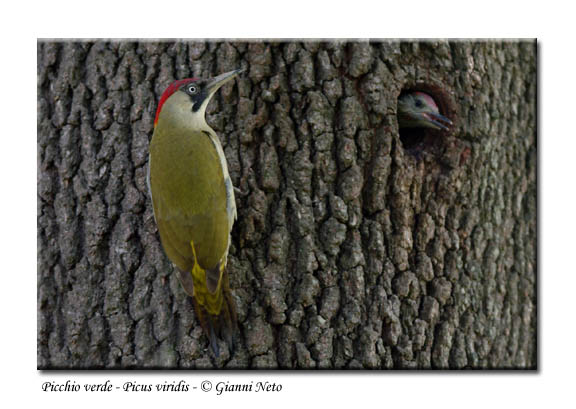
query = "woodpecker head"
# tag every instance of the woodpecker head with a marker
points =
(418, 110)
(187, 99)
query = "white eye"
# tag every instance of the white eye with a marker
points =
(192, 89)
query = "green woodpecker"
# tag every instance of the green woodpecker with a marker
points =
(418, 110)
(193, 200)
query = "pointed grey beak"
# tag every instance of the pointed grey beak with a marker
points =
(437, 121)
(215, 83)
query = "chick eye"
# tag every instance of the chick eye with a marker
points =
(192, 89)
(418, 103)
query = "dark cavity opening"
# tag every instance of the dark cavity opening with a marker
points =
(413, 139)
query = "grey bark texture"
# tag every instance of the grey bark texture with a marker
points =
(354, 247)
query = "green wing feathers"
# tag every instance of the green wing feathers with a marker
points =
(190, 208)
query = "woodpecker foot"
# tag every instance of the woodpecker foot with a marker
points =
(239, 192)
(247, 179)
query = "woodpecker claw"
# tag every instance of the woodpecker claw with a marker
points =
(239, 192)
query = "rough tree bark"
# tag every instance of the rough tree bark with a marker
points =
(355, 246)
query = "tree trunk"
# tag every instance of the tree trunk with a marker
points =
(356, 245)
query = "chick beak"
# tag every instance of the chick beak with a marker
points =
(437, 121)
